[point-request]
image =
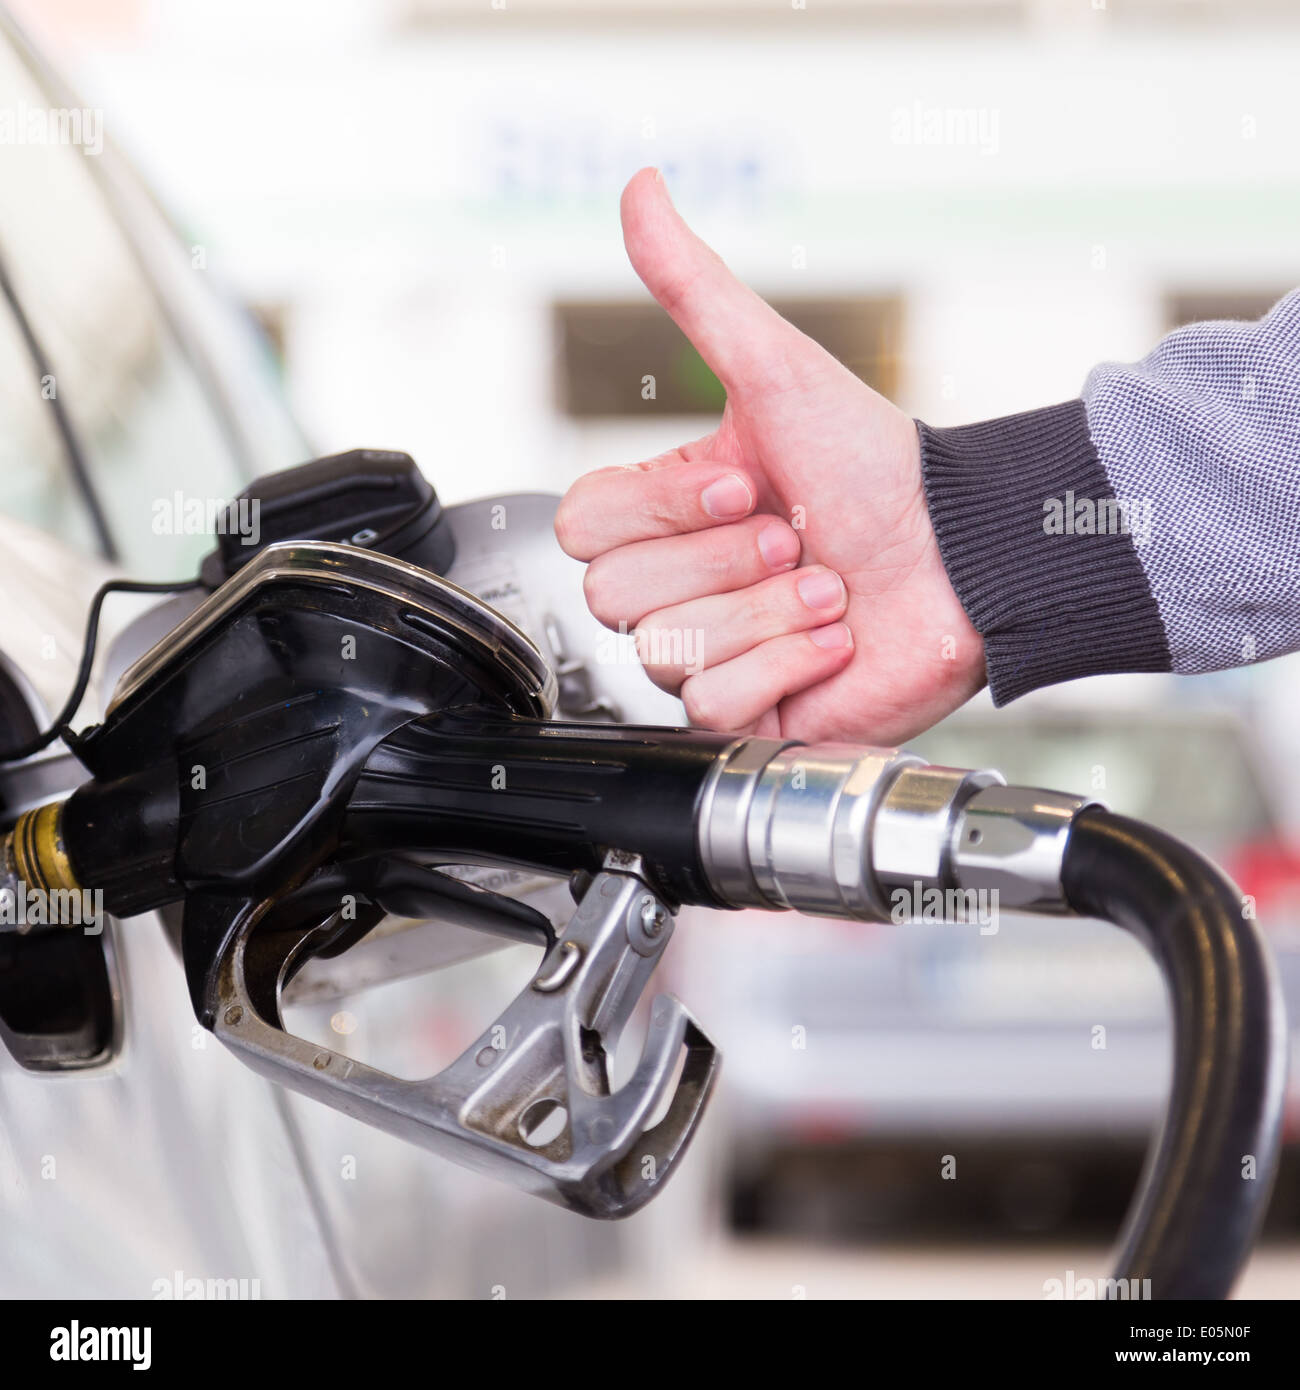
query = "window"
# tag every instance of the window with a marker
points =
(1197, 306)
(630, 359)
(89, 348)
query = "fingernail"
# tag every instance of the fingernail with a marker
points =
(822, 589)
(837, 635)
(779, 547)
(728, 497)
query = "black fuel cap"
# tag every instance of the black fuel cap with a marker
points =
(374, 498)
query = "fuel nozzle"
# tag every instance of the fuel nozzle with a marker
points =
(333, 721)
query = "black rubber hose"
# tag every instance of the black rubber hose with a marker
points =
(1209, 1175)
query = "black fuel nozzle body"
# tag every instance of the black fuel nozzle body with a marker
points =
(322, 733)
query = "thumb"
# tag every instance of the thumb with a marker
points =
(742, 338)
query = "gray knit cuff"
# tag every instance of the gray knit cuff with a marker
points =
(1016, 505)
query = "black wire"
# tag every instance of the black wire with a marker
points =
(60, 729)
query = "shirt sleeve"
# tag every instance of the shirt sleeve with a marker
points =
(1151, 525)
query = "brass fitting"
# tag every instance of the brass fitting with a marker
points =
(34, 850)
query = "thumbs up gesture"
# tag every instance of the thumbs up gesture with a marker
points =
(780, 573)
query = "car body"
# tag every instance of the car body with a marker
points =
(138, 1158)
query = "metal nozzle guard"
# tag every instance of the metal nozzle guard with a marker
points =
(546, 1058)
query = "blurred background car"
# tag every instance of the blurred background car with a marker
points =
(970, 202)
(1035, 1053)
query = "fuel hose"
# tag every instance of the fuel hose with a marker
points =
(1206, 1184)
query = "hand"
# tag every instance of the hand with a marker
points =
(781, 573)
